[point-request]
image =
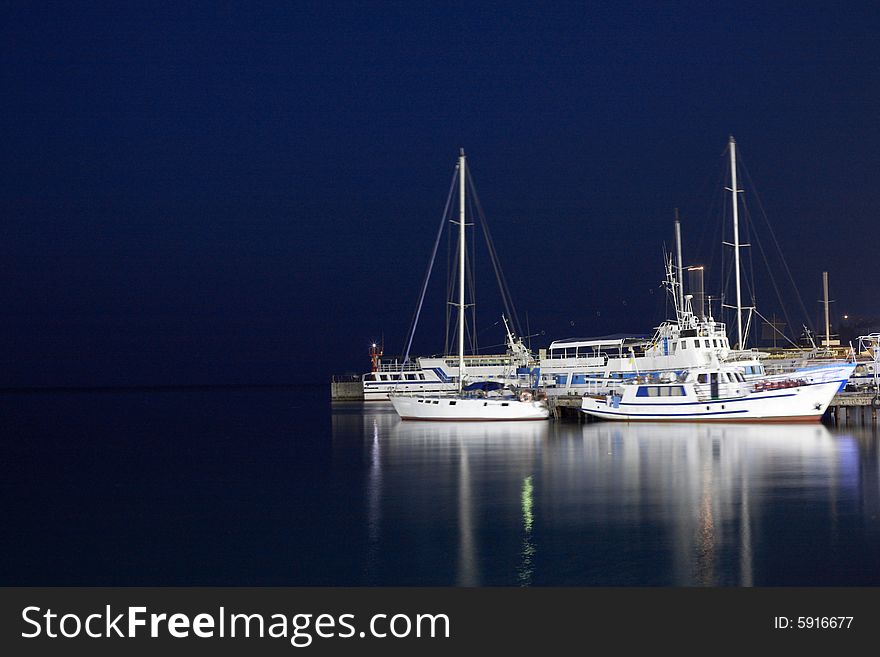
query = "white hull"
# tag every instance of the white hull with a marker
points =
(465, 409)
(801, 403)
(381, 392)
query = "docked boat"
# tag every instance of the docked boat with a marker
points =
(867, 373)
(440, 374)
(475, 401)
(692, 339)
(732, 385)
(719, 394)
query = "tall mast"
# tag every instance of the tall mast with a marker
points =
(680, 263)
(734, 191)
(827, 318)
(461, 250)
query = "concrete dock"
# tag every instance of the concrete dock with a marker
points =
(346, 387)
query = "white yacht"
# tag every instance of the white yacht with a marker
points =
(713, 394)
(477, 401)
(729, 385)
(692, 340)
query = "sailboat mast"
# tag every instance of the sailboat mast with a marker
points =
(461, 272)
(734, 191)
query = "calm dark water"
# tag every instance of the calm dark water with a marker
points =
(274, 486)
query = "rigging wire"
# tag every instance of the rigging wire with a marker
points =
(475, 209)
(506, 297)
(418, 312)
(471, 264)
(773, 326)
(751, 231)
(772, 279)
(449, 283)
(778, 248)
(750, 280)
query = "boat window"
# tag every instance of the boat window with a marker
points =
(505, 404)
(707, 343)
(452, 403)
(410, 377)
(421, 376)
(436, 401)
(684, 344)
(703, 378)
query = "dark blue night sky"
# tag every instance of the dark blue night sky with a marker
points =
(247, 192)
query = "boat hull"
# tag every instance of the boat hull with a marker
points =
(464, 409)
(803, 403)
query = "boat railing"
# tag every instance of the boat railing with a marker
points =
(345, 378)
(704, 392)
(395, 366)
(745, 354)
(777, 384)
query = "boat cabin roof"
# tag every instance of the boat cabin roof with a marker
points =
(616, 340)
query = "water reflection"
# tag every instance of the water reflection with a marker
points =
(528, 546)
(707, 484)
(477, 504)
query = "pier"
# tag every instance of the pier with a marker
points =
(346, 387)
(855, 408)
